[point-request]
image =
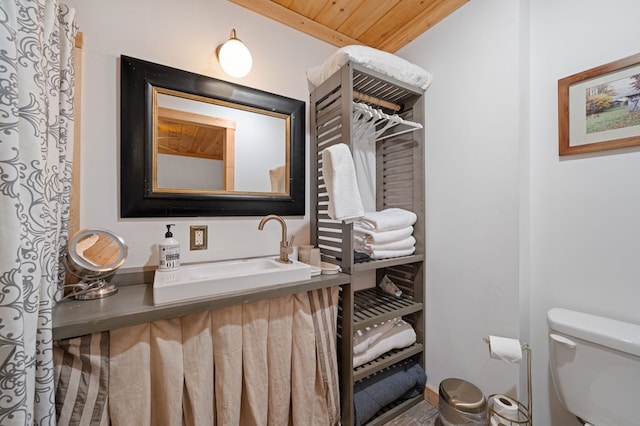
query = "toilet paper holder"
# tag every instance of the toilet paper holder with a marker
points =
(524, 411)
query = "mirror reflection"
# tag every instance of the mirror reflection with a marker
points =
(102, 251)
(225, 147)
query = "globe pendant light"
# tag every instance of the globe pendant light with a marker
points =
(234, 57)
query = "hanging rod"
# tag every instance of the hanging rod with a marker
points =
(376, 101)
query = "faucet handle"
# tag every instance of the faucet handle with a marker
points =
(288, 246)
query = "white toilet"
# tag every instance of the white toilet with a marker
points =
(595, 365)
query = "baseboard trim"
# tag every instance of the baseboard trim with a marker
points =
(432, 396)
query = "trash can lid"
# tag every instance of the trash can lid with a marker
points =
(462, 395)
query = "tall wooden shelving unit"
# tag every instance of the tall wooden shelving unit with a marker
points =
(399, 183)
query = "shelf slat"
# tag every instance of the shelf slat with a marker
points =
(393, 410)
(386, 360)
(384, 263)
(373, 306)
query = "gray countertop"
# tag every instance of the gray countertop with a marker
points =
(133, 304)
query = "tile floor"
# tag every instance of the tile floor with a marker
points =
(421, 414)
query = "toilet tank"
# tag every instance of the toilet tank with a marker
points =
(595, 366)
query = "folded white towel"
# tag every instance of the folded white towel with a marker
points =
(387, 219)
(374, 59)
(400, 336)
(385, 254)
(370, 335)
(340, 179)
(407, 243)
(365, 236)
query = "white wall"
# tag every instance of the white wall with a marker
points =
(181, 35)
(492, 144)
(585, 210)
(472, 191)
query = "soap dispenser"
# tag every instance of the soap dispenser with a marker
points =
(169, 252)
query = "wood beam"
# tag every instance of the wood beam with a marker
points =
(294, 20)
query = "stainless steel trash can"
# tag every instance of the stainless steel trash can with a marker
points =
(461, 403)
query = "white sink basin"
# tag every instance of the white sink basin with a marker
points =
(225, 277)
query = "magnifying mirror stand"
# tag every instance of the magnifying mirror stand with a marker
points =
(95, 290)
(90, 288)
(93, 256)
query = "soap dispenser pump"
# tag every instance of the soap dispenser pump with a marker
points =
(169, 252)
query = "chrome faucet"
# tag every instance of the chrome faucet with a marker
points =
(286, 248)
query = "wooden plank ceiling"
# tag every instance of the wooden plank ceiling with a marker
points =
(383, 24)
(194, 135)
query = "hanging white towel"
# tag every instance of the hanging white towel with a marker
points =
(364, 236)
(364, 160)
(388, 219)
(340, 179)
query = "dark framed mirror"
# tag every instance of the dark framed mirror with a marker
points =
(193, 145)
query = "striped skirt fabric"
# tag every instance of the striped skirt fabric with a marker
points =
(81, 375)
(324, 308)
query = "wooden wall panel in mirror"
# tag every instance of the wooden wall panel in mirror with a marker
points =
(197, 146)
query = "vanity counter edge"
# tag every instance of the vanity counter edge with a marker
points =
(133, 304)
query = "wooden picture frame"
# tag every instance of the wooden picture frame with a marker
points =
(599, 109)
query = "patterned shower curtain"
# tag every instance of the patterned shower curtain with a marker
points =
(36, 134)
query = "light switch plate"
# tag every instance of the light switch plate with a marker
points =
(198, 237)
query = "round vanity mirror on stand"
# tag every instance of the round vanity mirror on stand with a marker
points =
(93, 256)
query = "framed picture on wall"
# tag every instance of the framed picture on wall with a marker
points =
(599, 109)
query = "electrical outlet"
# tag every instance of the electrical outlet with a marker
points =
(198, 237)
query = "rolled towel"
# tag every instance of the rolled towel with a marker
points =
(365, 236)
(405, 244)
(387, 219)
(385, 254)
(340, 179)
